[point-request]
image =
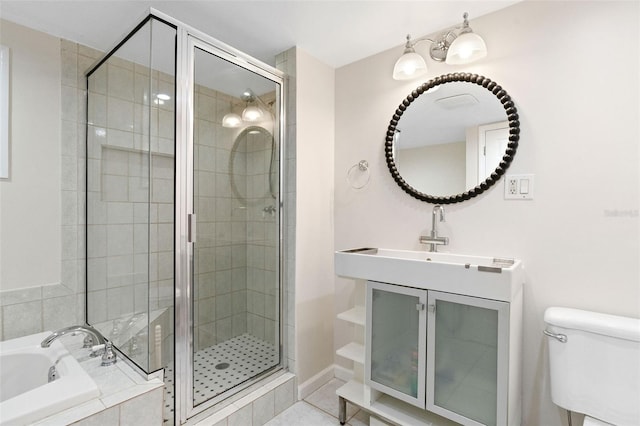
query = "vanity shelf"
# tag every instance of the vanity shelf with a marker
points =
(355, 315)
(353, 351)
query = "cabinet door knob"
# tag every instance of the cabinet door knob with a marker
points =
(420, 306)
(432, 308)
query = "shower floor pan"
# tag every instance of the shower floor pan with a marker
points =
(223, 366)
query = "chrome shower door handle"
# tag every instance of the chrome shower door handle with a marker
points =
(191, 232)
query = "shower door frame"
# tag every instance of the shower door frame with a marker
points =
(188, 39)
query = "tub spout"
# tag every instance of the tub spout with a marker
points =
(95, 334)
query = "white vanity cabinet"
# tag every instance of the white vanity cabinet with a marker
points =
(442, 347)
(445, 352)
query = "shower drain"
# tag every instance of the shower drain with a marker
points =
(222, 366)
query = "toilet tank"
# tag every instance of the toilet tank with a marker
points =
(596, 371)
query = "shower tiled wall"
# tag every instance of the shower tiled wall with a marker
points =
(220, 281)
(236, 283)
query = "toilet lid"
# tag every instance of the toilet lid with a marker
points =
(590, 421)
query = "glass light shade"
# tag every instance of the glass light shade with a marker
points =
(231, 120)
(409, 65)
(252, 113)
(467, 47)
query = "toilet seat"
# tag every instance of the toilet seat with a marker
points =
(590, 421)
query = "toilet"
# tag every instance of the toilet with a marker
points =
(594, 365)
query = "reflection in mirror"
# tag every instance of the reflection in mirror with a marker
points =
(438, 148)
(455, 134)
(252, 166)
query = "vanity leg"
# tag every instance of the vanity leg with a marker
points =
(342, 410)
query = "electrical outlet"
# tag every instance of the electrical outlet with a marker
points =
(518, 187)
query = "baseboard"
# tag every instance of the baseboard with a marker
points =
(314, 383)
(343, 373)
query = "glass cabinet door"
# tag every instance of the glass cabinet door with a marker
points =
(467, 367)
(395, 341)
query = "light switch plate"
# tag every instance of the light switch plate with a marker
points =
(518, 187)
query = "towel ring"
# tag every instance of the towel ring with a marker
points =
(362, 166)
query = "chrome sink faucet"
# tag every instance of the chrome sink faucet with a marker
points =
(433, 239)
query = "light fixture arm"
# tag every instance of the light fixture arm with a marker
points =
(267, 106)
(465, 28)
(409, 45)
(440, 46)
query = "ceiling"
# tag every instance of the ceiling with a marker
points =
(335, 32)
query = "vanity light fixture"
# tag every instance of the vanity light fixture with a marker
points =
(161, 98)
(459, 45)
(251, 113)
(231, 120)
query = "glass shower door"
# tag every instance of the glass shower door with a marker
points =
(130, 166)
(235, 261)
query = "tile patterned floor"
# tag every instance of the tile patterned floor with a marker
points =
(320, 409)
(227, 364)
(222, 367)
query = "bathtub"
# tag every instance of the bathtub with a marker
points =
(25, 394)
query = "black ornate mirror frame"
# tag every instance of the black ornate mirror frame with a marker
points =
(514, 136)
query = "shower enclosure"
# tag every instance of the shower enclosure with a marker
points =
(183, 211)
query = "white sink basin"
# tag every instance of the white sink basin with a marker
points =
(480, 276)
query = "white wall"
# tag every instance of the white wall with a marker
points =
(579, 114)
(30, 233)
(314, 213)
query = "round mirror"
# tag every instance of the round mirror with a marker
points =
(452, 138)
(251, 166)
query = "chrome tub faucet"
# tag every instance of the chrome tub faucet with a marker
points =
(433, 240)
(94, 338)
(98, 339)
